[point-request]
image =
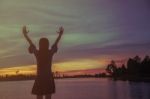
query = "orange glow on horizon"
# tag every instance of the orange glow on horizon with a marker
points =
(75, 65)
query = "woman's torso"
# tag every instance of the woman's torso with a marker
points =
(44, 63)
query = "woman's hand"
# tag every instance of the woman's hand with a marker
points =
(24, 30)
(61, 31)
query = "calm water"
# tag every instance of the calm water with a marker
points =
(80, 89)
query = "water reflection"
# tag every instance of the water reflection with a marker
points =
(118, 90)
(80, 89)
(127, 90)
(112, 90)
(139, 90)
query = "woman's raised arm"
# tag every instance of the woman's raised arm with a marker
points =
(60, 32)
(25, 32)
(54, 46)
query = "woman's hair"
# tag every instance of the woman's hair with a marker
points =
(43, 44)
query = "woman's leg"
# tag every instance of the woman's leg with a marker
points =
(48, 96)
(39, 97)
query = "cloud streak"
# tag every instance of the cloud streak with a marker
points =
(99, 29)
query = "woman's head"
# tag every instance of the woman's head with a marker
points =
(43, 44)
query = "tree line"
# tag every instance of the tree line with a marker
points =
(135, 69)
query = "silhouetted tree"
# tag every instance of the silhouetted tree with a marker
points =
(145, 66)
(112, 68)
(133, 65)
(121, 71)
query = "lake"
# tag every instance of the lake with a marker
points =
(79, 89)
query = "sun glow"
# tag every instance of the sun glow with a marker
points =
(83, 64)
(18, 70)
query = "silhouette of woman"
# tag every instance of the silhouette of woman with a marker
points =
(44, 83)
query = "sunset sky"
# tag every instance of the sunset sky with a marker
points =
(96, 31)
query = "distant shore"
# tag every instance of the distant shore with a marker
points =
(32, 77)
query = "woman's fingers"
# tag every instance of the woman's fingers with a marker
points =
(61, 29)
